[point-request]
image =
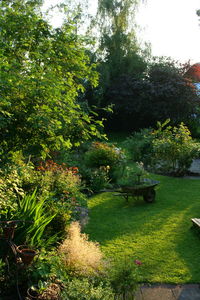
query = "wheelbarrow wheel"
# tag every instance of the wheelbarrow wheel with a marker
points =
(150, 196)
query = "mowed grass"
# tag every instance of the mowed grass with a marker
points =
(158, 234)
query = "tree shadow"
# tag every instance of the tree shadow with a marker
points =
(163, 227)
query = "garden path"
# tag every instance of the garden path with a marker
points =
(169, 292)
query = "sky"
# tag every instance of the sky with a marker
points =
(170, 26)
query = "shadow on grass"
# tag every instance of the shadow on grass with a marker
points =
(158, 233)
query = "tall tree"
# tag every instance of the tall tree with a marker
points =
(118, 52)
(162, 93)
(42, 71)
(118, 43)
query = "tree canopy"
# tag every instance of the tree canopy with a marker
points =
(42, 71)
(162, 93)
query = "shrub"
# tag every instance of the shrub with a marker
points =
(81, 256)
(101, 154)
(10, 190)
(139, 146)
(61, 185)
(86, 289)
(173, 148)
(47, 274)
(60, 182)
(99, 178)
(58, 185)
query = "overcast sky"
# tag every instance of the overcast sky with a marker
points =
(171, 26)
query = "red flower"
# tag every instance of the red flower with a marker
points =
(138, 262)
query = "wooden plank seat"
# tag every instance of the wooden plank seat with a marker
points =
(196, 222)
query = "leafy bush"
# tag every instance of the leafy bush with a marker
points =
(101, 154)
(139, 146)
(160, 93)
(49, 273)
(61, 187)
(2, 265)
(87, 289)
(60, 181)
(10, 190)
(39, 108)
(99, 178)
(173, 148)
(81, 256)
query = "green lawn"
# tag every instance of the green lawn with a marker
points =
(158, 234)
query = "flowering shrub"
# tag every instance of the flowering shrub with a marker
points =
(101, 154)
(173, 148)
(59, 185)
(62, 186)
(52, 166)
(99, 178)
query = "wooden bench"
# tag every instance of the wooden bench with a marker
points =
(196, 222)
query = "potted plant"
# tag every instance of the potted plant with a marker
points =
(133, 183)
(26, 253)
(35, 291)
(132, 175)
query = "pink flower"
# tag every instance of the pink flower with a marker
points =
(137, 262)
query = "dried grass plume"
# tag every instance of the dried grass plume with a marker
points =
(80, 255)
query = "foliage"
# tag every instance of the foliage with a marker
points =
(62, 186)
(118, 52)
(132, 174)
(162, 92)
(47, 272)
(173, 148)
(139, 146)
(99, 178)
(2, 265)
(58, 181)
(101, 154)
(87, 289)
(193, 73)
(167, 149)
(80, 256)
(34, 214)
(118, 44)
(101, 160)
(124, 276)
(10, 190)
(42, 71)
(58, 184)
